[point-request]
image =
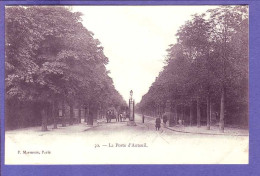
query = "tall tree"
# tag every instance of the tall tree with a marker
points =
(51, 56)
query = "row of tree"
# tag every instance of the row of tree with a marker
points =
(208, 65)
(51, 58)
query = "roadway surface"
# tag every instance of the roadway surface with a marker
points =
(117, 143)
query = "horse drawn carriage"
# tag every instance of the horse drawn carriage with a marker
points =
(111, 114)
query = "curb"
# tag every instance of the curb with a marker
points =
(91, 127)
(214, 134)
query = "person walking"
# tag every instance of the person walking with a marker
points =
(165, 119)
(158, 123)
(124, 116)
(120, 117)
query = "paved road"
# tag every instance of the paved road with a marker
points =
(117, 143)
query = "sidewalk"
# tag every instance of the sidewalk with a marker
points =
(214, 130)
(75, 128)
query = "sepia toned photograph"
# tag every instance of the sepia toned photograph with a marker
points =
(126, 84)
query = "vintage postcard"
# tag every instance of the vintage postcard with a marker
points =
(69, 72)
(126, 84)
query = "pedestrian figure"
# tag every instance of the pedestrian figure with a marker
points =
(143, 118)
(124, 116)
(108, 116)
(121, 117)
(165, 119)
(158, 123)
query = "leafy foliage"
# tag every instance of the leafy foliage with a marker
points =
(211, 55)
(51, 56)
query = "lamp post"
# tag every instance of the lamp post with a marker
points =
(131, 121)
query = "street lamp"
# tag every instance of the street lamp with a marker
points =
(131, 94)
(131, 121)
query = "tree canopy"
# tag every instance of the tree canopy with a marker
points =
(210, 58)
(51, 55)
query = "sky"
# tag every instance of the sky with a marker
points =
(135, 39)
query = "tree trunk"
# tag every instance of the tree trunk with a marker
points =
(208, 112)
(191, 114)
(54, 114)
(85, 115)
(44, 120)
(177, 117)
(63, 114)
(222, 111)
(183, 114)
(88, 117)
(198, 112)
(71, 114)
(55, 126)
(159, 111)
(79, 115)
